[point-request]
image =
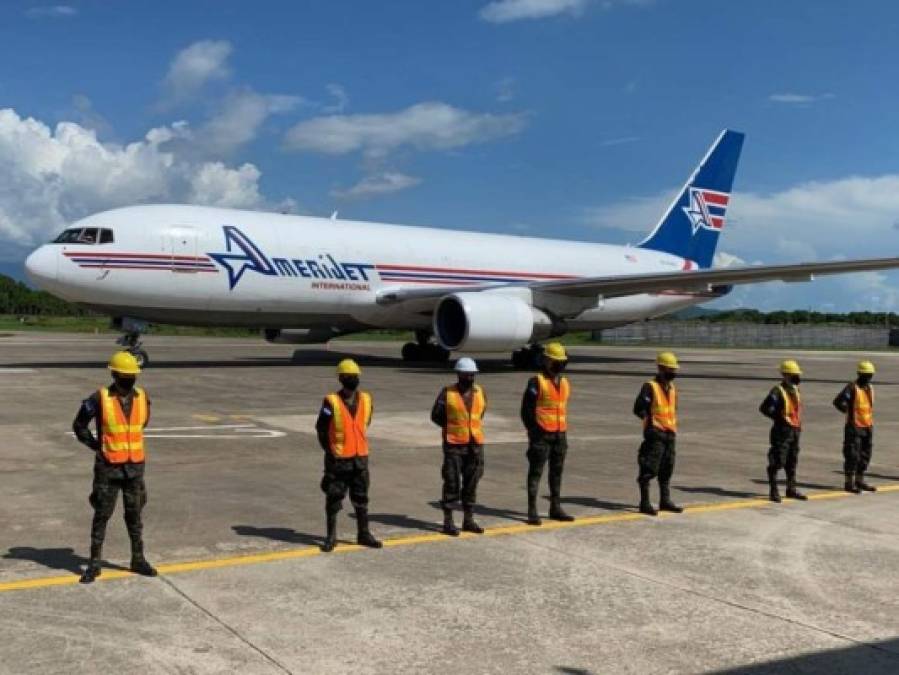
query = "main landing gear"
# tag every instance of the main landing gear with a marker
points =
(132, 329)
(527, 358)
(423, 349)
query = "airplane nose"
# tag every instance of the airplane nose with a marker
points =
(40, 266)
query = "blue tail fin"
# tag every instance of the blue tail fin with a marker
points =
(693, 223)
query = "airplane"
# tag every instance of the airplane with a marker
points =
(306, 280)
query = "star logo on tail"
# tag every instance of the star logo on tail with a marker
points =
(706, 209)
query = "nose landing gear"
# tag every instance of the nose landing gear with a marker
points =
(130, 340)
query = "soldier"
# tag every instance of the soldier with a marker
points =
(120, 411)
(656, 405)
(341, 426)
(459, 410)
(783, 405)
(544, 412)
(857, 402)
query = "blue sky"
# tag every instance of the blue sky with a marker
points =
(570, 118)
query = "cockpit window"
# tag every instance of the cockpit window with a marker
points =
(85, 235)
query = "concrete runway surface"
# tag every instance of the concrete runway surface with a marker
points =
(733, 585)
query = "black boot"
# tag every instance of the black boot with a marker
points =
(468, 522)
(139, 564)
(533, 516)
(364, 537)
(850, 485)
(665, 503)
(449, 527)
(556, 512)
(331, 537)
(861, 484)
(93, 569)
(646, 505)
(773, 492)
(792, 492)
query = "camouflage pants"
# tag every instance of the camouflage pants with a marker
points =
(656, 456)
(858, 446)
(342, 476)
(543, 448)
(463, 466)
(103, 497)
(784, 450)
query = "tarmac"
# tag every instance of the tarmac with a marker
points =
(733, 585)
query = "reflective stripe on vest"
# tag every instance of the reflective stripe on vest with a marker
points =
(463, 425)
(552, 404)
(121, 438)
(861, 415)
(663, 411)
(347, 433)
(792, 408)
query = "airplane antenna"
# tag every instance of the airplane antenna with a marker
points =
(334, 216)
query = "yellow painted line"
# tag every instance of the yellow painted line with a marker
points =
(431, 537)
(207, 418)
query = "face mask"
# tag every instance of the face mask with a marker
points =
(556, 367)
(124, 384)
(669, 375)
(350, 382)
(795, 379)
(465, 382)
(864, 380)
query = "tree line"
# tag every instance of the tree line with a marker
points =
(16, 298)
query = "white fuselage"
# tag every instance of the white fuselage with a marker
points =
(173, 264)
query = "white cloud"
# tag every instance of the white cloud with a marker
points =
(239, 119)
(51, 12)
(424, 126)
(505, 90)
(504, 11)
(195, 66)
(341, 99)
(379, 184)
(792, 98)
(49, 177)
(621, 140)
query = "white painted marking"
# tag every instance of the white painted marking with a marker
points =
(231, 431)
(16, 371)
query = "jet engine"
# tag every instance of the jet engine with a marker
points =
(488, 322)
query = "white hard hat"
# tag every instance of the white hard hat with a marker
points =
(466, 365)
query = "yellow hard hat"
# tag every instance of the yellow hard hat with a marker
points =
(348, 367)
(555, 351)
(790, 367)
(865, 367)
(668, 360)
(124, 363)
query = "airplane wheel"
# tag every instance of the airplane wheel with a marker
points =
(438, 354)
(520, 359)
(411, 352)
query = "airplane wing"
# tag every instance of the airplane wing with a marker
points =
(682, 281)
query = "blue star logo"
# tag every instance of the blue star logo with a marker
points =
(249, 257)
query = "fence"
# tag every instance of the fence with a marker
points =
(707, 334)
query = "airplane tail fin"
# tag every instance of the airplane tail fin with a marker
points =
(691, 226)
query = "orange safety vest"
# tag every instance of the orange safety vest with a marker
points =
(347, 433)
(121, 438)
(861, 415)
(792, 408)
(463, 425)
(552, 404)
(663, 411)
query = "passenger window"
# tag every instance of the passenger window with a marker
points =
(106, 237)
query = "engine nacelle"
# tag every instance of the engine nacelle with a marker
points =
(488, 322)
(300, 336)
